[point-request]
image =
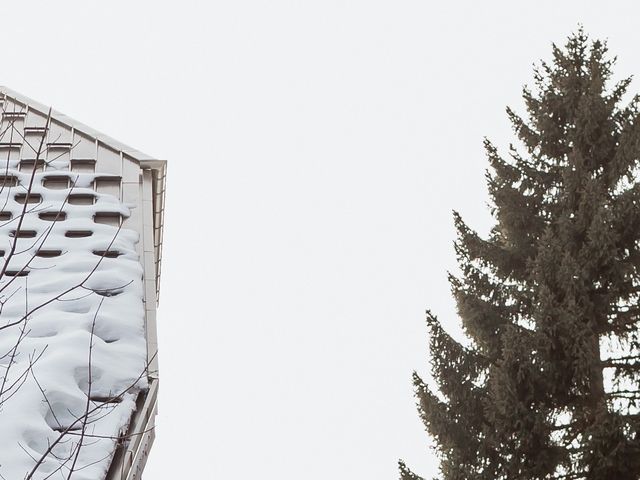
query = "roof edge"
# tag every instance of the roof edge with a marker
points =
(70, 122)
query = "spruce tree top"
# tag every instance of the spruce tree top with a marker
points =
(549, 387)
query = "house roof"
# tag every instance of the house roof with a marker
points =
(76, 320)
(157, 167)
(66, 120)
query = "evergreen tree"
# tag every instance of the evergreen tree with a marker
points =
(549, 387)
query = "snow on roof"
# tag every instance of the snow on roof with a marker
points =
(73, 347)
(157, 167)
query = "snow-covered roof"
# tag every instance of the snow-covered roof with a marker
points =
(79, 259)
(156, 166)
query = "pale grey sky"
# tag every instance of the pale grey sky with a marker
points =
(316, 150)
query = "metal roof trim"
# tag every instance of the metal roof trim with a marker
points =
(70, 122)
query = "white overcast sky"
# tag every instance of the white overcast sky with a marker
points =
(316, 150)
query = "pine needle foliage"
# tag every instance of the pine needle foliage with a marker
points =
(550, 386)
